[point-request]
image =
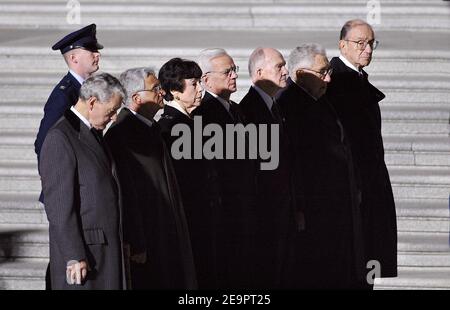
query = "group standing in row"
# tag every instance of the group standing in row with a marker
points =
(125, 214)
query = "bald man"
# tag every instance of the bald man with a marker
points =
(356, 101)
(275, 200)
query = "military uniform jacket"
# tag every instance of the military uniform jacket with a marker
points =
(64, 95)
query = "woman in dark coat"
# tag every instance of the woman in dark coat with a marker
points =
(180, 80)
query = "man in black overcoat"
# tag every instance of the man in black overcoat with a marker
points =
(328, 254)
(356, 101)
(156, 235)
(275, 200)
(235, 177)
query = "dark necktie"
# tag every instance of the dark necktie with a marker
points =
(98, 135)
(276, 113)
(235, 113)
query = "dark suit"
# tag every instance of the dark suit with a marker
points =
(82, 203)
(154, 219)
(329, 253)
(356, 102)
(237, 186)
(201, 200)
(275, 202)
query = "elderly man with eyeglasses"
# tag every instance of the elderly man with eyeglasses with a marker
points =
(156, 235)
(356, 101)
(235, 177)
(326, 252)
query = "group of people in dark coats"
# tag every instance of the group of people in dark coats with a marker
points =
(170, 218)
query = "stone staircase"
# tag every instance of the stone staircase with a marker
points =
(412, 67)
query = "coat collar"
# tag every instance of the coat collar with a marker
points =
(86, 137)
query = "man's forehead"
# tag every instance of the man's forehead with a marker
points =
(321, 61)
(361, 32)
(222, 60)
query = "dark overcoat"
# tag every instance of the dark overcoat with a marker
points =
(198, 186)
(274, 211)
(237, 189)
(154, 218)
(356, 101)
(329, 253)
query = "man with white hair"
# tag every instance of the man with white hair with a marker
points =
(156, 236)
(81, 192)
(275, 197)
(328, 254)
(356, 101)
(236, 177)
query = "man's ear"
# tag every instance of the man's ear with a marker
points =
(136, 98)
(91, 101)
(298, 74)
(259, 72)
(341, 44)
(175, 94)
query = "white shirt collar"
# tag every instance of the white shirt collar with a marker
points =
(225, 103)
(77, 77)
(141, 118)
(81, 117)
(348, 63)
(267, 99)
(177, 106)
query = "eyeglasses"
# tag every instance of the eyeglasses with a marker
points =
(156, 89)
(361, 45)
(322, 73)
(227, 72)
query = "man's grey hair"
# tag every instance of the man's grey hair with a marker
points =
(102, 86)
(205, 57)
(133, 80)
(303, 56)
(256, 60)
(351, 24)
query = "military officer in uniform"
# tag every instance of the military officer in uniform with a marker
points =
(80, 52)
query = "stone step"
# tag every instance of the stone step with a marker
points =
(26, 274)
(417, 278)
(420, 182)
(215, 15)
(431, 208)
(423, 242)
(408, 158)
(415, 128)
(23, 241)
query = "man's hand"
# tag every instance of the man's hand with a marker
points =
(140, 258)
(76, 271)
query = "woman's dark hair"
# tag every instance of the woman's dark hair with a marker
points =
(173, 73)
